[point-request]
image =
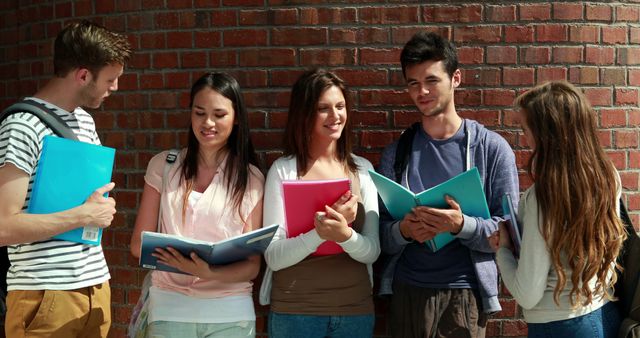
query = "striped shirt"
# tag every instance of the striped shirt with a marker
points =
(50, 264)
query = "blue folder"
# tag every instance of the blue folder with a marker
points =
(228, 251)
(68, 172)
(465, 188)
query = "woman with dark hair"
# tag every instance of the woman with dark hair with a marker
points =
(572, 232)
(213, 192)
(321, 296)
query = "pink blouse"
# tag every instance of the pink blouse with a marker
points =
(212, 219)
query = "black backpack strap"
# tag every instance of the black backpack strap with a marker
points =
(403, 151)
(48, 117)
(624, 215)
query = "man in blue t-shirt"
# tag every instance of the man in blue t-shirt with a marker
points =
(447, 293)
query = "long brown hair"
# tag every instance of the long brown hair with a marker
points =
(303, 107)
(575, 185)
(239, 149)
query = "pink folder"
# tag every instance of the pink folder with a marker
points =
(301, 201)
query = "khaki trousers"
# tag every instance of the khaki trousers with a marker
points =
(81, 313)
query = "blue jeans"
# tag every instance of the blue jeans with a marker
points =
(282, 325)
(601, 323)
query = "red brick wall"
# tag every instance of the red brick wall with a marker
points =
(265, 44)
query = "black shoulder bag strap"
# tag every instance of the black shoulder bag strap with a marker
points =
(48, 117)
(403, 151)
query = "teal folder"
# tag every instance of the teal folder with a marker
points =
(68, 172)
(465, 188)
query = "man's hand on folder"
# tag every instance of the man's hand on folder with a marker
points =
(442, 220)
(100, 209)
(412, 227)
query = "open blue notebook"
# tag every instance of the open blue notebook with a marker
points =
(228, 251)
(68, 172)
(465, 188)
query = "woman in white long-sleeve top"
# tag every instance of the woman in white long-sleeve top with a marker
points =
(572, 233)
(321, 296)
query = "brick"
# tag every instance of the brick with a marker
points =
(589, 34)
(477, 34)
(368, 77)
(634, 117)
(610, 118)
(268, 99)
(375, 139)
(190, 20)
(165, 60)
(481, 77)
(613, 76)
(152, 41)
(223, 58)
(242, 2)
(167, 20)
(634, 160)
(468, 97)
(598, 96)
(374, 56)
(629, 56)
(389, 15)
(517, 76)
(194, 60)
(400, 35)
(151, 81)
(498, 97)
(179, 40)
(327, 57)
(568, 54)
(244, 37)
(626, 139)
(605, 138)
(629, 180)
(551, 33)
(626, 96)
(634, 35)
(284, 78)
(384, 97)
(544, 74)
(535, 55)
(470, 55)
(600, 55)
(177, 80)
(628, 13)
(463, 13)
(206, 39)
(367, 36)
(283, 16)
(82, 8)
(178, 4)
(267, 57)
(519, 34)
(368, 118)
(63, 10)
(567, 11)
(538, 12)
(105, 7)
(250, 78)
(327, 16)
(614, 35)
(224, 18)
(634, 77)
(598, 12)
(264, 140)
(253, 17)
(506, 13)
(299, 36)
(501, 55)
(163, 100)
